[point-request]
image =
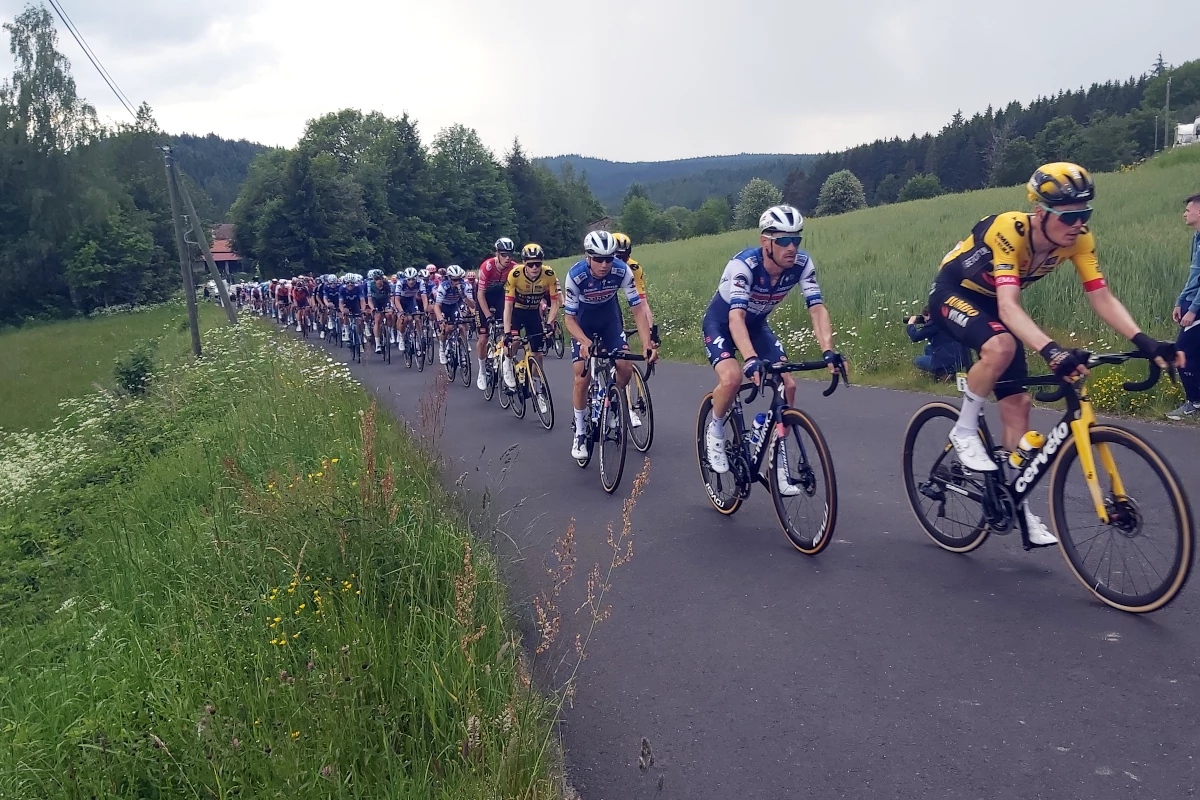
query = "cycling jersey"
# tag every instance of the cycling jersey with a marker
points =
(403, 288)
(379, 294)
(999, 252)
(745, 284)
(592, 298)
(529, 294)
(492, 277)
(639, 278)
(300, 293)
(352, 296)
(449, 293)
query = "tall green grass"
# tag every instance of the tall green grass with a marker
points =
(43, 365)
(250, 584)
(877, 264)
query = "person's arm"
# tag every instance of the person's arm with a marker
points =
(920, 334)
(509, 302)
(822, 326)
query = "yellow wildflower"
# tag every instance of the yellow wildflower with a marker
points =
(295, 734)
(335, 461)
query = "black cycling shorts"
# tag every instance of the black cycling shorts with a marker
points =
(495, 301)
(972, 319)
(531, 320)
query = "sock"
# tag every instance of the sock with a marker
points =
(479, 363)
(579, 420)
(717, 427)
(968, 418)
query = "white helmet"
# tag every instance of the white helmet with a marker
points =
(599, 243)
(504, 245)
(781, 219)
(410, 274)
(455, 271)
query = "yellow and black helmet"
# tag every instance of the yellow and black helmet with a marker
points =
(1060, 183)
(624, 245)
(532, 252)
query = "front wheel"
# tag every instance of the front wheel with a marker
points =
(945, 496)
(521, 392)
(614, 423)
(464, 360)
(641, 406)
(539, 390)
(803, 484)
(1140, 559)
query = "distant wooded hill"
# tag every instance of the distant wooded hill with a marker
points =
(218, 165)
(684, 182)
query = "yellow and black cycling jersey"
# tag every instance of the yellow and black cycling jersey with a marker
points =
(999, 252)
(529, 294)
(639, 277)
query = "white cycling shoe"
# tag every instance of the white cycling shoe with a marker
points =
(441, 355)
(971, 452)
(717, 462)
(481, 382)
(1039, 534)
(579, 447)
(510, 377)
(634, 420)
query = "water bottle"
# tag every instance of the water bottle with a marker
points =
(1030, 442)
(758, 432)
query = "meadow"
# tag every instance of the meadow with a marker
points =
(249, 583)
(875, 267)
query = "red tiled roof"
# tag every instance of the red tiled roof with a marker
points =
(225, 256)
(222, 246)
(223, 231)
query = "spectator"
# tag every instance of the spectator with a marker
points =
(1186, 310)
(943, 356)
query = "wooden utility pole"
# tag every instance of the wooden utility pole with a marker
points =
(202, 240)
(1167, 113)
(185, 266)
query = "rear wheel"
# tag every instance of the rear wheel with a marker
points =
(808, 512)
(521, 392)
(945, 496)
(559, 339)
(725, 490)
(1140, 559)
(614, 423)
(464, 360)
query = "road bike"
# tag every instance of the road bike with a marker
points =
(641, 406)
(555, 339)
(806, 498)
(458, 357)
(493, 361)
(1125, 533)
(531, 384)
(356, 333)
(414, 340)
(606, 419)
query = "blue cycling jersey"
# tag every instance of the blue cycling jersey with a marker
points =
(745, 284)
(592, 298)
(353, 295)
(407, 289)
(449, 293)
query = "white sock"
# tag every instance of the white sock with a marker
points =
(968, 418)
(479, 363)
(717, 427)
(579, 420)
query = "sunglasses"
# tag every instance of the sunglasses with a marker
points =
(786, 241)
(602, 259)
(1070, 218)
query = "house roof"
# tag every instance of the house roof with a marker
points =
(223, 231)
(222, 246)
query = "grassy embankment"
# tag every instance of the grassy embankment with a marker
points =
(875, 266)
(246, 584)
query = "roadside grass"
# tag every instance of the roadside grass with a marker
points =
(44, 364)
(250, 583)
(875, 267)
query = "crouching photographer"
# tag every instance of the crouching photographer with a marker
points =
(943, 356)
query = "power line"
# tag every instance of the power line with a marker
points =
(92, 57)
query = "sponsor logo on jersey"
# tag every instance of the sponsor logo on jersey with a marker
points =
(962, 305)
(958, 317)
(997, 327)
(1005, 244)
(725, 354)
(973, 259)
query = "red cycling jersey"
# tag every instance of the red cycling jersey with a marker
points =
(492, 276)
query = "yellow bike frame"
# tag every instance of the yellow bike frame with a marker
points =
(1081, 428)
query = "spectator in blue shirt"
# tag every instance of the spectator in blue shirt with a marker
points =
(1187, 310)
(943, 355)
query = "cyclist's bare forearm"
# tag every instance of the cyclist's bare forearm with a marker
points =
(822, 326)
(741, 336)
(1113, 312)
(1015, 318)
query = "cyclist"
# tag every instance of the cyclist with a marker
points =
(351, 297)
(448, 302)
(976, 297)
(489, 296)
(283, 300)
(300, 292)
(625, 253)
(594, 317)
(408, 297)
(527, 286)
(327, 291)
(753, 283)
(379, 297)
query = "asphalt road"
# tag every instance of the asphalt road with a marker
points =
(882, 668)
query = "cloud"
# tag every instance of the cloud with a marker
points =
(629, 79)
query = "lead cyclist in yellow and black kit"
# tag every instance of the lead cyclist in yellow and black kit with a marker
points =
(526, 287)
(976, 297)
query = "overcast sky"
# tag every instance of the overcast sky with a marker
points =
(648, 80)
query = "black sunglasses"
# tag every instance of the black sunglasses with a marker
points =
(603, 259)
(1071, 217)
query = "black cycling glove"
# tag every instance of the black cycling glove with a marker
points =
(754, 366)
(1153, 347)
(1063, 363)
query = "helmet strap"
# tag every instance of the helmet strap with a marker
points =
(1045, 233)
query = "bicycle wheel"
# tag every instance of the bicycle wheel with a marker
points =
(559, 340)
(464, 360)
(539, 390)
(521, 393)
(640, 404)
(490, 377)
(337, 332)
(725, 491)
(945, 496)
(614, 423)
(409, 346)
(1142, 557)
(386, 333)
(450, 346)
(807, 503)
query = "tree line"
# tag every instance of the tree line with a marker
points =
(85, 218)
(362, 191)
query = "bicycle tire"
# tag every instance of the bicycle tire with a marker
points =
(451, 364)
(610, 473)
(560, 340)
(794, 421)
(643, 435)
(725, 499)
(519, 394)
(409, 346)
(464, 361)
(537, 378)
(489, 376)
(952, 473)
(1155, 597)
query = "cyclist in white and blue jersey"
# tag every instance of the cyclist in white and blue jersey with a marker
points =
(408, 297)
(594, 317)
(753, 283)
(450, 300)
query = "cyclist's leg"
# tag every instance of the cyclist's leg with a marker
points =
(481, 324)
(1015, 404)
(974, 320)
(721, 349)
